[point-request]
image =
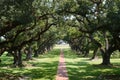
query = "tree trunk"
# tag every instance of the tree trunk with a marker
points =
(36, 53)
(106, 59)
(86, 52)
(20, 59)
(29, 54)
(107, 51)
(94, 54)
(17, 58)
(106, 55)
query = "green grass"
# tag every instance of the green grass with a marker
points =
(42, 68)
(45, 67)
(84, 69)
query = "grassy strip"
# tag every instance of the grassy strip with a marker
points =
(42, 68)
(84, 69)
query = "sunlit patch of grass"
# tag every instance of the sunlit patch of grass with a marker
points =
(42, 68)
(5, 60)
(84, 69)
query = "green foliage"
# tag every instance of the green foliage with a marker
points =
(94, 21)
(27, 19)
(84, 24)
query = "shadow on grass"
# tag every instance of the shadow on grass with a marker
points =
(82, 69)
(6, 60)
(4, 65)
(44, 70)
(86, 71)
(41, 69)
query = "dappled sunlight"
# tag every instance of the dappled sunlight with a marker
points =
(42, 68)
(34, 33)
(84, 69)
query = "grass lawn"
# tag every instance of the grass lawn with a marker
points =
(84, 69)
(42, 68)
(45, 67)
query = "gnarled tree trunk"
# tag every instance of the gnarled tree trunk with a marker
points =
(17, 58)
(106, 55)
(94, 54)
(29, 53)
(106, 59)
(36, 54)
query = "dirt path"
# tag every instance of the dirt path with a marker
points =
(62, 72)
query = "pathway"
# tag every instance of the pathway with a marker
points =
(62, 72)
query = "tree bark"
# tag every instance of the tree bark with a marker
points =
(20, 59)
(106, 55)
(36, 53)
(107, 51)
(86, 52)
(106, 59)
(29, 53)
(17, 58)
(94, 54)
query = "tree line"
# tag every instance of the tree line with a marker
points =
(92, 25)
(26, 26)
